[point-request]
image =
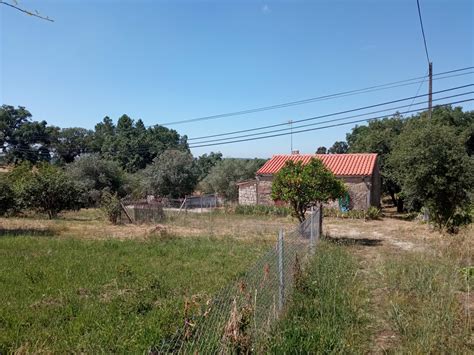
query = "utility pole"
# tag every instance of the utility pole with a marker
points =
(430, 89)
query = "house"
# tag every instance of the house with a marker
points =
(360, 173)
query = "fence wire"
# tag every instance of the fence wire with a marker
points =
(238, 318)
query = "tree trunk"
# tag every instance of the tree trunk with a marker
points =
(400, 205)
(392, 196)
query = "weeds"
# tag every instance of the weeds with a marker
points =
(261, 210)
(328, 310)
(424, 308)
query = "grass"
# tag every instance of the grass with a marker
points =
(62, 294)
(328, 313)
(424, 304)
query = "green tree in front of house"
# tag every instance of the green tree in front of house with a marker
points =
(303, 186)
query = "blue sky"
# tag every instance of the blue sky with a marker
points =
(165, 61)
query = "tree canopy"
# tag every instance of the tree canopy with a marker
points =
(172, 174)
(433, 169)
(305, 185)
(223, 177)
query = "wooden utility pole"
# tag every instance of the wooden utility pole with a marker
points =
(430, 89)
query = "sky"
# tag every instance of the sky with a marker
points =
(166, 61)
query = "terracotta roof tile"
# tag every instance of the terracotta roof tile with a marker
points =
(340, 164)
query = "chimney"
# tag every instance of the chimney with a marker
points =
(295, 152)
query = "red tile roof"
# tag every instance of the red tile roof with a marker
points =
(340, 164)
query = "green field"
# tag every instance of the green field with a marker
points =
(75, 295)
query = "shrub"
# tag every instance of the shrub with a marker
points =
(461, 217)
(49, 190)
(96, 175)
(260, 210)
(372, 213)
(110, 204)
(7, 197)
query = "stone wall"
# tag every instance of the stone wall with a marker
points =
(248, 193)
(358, 192)
(265, 192)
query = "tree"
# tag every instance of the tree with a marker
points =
(205, 163)
(321, 150)
(433, 169)
(132, 144)
(50, 191)
(339, 147)
(96, 175)
(22, 139)
(379, 137)
(71, 142)
(223, 177)
(172, 174)
(303, 186)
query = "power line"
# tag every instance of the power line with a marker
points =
(198, 145)
(39, 136)
(335, 120)
(283, 124)
(391, 85)
(324, 127)
(423, 31)
(327, 115)
(417, 91)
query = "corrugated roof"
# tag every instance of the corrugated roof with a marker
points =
(340, 164)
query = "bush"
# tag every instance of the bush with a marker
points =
(259, 210)
(96, 175)
(7, 197)
(373, 213)
(49, 190)
(336, 213)
(462, 217)
(110, 204)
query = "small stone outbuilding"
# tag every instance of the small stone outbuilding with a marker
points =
(360, 173)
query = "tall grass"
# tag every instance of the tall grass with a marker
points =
(424, 304)
(71, 295)
(328, 310)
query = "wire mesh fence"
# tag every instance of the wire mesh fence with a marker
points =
(238, 318)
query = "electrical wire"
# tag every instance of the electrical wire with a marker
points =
(319, 128)
(423, 31)
(334, 120)
(314, 99)
(279, 124)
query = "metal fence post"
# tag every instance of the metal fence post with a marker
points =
(281, 288)
(311, 229)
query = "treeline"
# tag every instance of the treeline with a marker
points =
(128, 142)
(125, 159)
(425, 162)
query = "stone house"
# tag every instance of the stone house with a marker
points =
(360, 173)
